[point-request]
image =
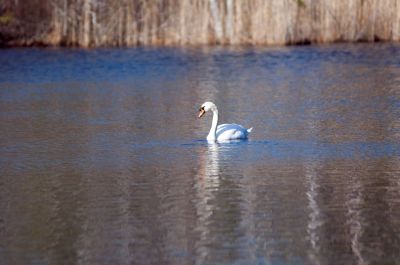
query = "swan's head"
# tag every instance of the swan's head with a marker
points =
(206, 107)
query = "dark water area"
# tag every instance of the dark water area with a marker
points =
(104, 161)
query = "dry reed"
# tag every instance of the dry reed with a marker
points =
(92, 23)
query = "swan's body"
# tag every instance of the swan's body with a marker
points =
(230, 132)
(223, 132)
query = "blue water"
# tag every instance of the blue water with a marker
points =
(104, 161)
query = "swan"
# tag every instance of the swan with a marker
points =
(222, 132)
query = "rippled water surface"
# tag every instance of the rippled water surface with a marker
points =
(104, 161)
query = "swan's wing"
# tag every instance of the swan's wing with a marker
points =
(231, 132)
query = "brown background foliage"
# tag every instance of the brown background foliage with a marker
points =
(93, 23)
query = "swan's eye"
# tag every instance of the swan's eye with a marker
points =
(202, 108)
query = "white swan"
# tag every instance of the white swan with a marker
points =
(223, 132)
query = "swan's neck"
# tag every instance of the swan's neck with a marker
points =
(212, 135)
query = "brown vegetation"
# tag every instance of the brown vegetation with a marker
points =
(92, 23)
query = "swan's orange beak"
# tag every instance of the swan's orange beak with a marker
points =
(201, 113)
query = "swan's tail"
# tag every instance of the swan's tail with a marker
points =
(249, 130)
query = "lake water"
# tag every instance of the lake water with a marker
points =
(104, 161)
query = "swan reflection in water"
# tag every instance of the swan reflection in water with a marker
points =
(315, 220)
(207, 186)
(355, 220)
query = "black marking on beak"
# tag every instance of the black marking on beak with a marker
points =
(202, 111)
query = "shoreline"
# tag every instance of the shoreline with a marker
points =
(41, 44)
